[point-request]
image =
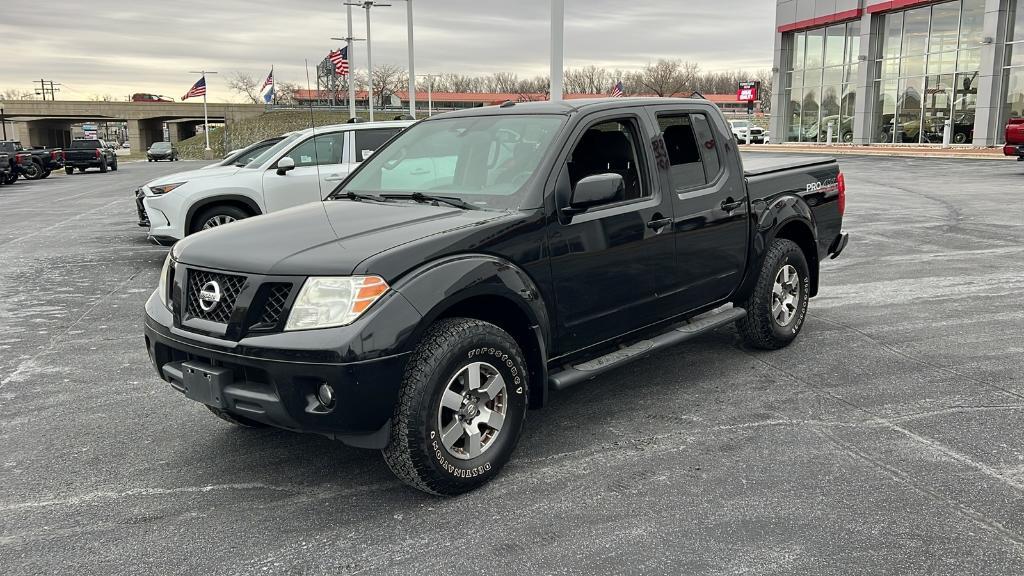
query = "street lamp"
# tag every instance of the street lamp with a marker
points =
(412, 66)
(557, 47)
(367, 4)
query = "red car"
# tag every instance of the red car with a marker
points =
(140, 97)
(1015, 138)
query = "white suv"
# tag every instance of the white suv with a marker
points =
(299, 169)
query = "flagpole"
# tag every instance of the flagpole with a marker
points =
(206, 115)
(557, 47)
(369, 61)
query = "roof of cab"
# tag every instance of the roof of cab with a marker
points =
(568, 106)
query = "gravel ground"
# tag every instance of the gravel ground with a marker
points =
(886, 440)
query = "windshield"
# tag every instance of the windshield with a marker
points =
(161, 146)
(740, 124)
(483, 160)
(272, 151)
(246, 155)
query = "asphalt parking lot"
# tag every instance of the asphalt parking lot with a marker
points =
(886, 440)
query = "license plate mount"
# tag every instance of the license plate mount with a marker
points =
(205, 383)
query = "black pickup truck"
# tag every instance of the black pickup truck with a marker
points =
(482, 259)
(89, 153)
(32, 163)
(7, 174)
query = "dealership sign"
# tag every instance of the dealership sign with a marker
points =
(747, 91)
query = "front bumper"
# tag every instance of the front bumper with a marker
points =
(266, 379)
(1014, 150)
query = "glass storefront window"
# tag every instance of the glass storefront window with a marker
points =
(847, 106)
(793, 130)
(968, 60)
(912, 66)
(937, 101)
(886, 105)
(1015, 55)
(965, 101)
(852, 41)
(941, 63)
(815, 48)
(833, 75)
(908, 110)
(1016, 28)
(835, 45)
(972, 23)
(799, 44)
(945, 21)
(1013, 104)
(915, 31)
(809, 115)
(893, 35)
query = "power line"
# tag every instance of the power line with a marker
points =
(47, 86)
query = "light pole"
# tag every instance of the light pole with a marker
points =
(412, 58)
(557, 47)
(367, 4)
(351, 40)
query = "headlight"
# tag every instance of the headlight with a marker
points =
(163, 285)
(164, 188)
(326, 301)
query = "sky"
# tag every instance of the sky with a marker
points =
(150, 46)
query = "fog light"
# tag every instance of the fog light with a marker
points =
(325, 394)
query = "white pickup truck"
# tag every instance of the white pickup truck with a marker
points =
(303, 167)
(740, 128)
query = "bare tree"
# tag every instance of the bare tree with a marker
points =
(285, 93)
(101, 98)
(767, 80)
(664, 78)
(387, 80)
(245, 84)
(502, 82)
(587, 80)
(16, 94)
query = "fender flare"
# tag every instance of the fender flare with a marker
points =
(769, 218)
(209, 200)
(439, 286)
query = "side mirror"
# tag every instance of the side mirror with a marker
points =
(597, 189)
(284, 165)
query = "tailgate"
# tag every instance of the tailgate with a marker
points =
(1015, 131)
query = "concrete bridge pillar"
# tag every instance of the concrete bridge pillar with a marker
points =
(142, 134)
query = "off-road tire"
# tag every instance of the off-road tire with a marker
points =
(33, 170)
(113, 166)
(415, 453)
(45, 174)
(236, 420)
(69, 170)
(759, 328)
(103, 165)
(11, 178)
(218, 210)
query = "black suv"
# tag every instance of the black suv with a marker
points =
(482, 259)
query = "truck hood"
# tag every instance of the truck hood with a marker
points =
(321, 238)
(190, 175)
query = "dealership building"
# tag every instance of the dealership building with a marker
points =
(897, 71)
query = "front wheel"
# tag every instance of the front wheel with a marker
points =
(778, 304)
(33, 171)
(11, 178)
(113, 167)
(217, 216)
(461, 408)
(103, 165)
(69, 170)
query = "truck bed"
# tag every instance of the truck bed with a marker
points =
(759, 164)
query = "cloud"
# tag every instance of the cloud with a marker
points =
(135, 46)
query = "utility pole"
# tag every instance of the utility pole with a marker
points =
(206, 115)
(557, 47)
(47, 86)
(3, 121)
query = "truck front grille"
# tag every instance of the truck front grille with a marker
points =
(274, 306)
(229, 286)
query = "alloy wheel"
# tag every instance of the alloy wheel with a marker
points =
(785, 295)
(218, 220)
(472, 410)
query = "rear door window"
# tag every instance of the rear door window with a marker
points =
(692, 150)
(368, 141)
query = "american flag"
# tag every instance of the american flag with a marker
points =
(197, 89)
(269, 81)
(340, 60)
(617, 90)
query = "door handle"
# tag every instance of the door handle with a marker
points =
(333, 178)
(659, 223)
(420, 172)
(729, 204)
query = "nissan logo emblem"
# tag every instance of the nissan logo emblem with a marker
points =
(209, 296)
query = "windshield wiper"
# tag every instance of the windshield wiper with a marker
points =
(359, 196)
(421, 197)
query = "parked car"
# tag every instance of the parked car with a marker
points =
(301, 168)
(842, 131)
(1014, 138)
(740, 128)
(483, 258)
(87, 153)
(32, 163)
(142, 97)
(162, 151)
(243, 156)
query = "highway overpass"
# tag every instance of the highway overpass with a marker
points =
(48, 123)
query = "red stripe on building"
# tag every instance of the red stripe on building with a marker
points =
(823, 20)
(895, 5)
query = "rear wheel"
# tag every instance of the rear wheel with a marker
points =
(32, 170)
(69, 170)
(217, 216)
(461, 408)
(778, 304)
(11, 178)
(103, 165)
(45, 174)
(114, 165)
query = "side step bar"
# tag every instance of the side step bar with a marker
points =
(592, 368)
